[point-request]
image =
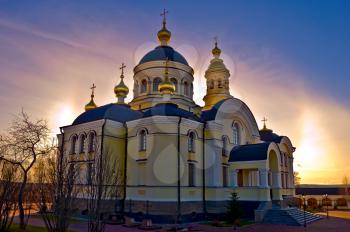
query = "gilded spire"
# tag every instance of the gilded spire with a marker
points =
(91, 105)
(216, 51)
(164, 35)
(166, 87)
(121, 90)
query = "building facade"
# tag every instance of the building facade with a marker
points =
(176, 157)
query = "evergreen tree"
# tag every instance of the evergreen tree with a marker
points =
(234, 211)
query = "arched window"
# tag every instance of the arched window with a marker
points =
(174, 81)
(82, 143)
(224, 145)
(143, 140)
(143, 86)
(211, 85)
(73, 144)
(186, 89)
(235, 131)
(92, 142)
(220, 84)
(191, 175)
(156, 83)
(191, 142)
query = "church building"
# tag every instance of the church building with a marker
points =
(176, 158)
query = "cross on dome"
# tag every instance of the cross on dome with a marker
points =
(164, 16)
(93, 87)
(122, 68)
(264, 120)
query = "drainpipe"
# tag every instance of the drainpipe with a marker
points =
(178, 172)
(125, 166)
(99, 193)
(203, 171)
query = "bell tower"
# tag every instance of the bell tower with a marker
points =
(217, 76)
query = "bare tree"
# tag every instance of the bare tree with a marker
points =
(60, 179)
(8, 190)
(104, 183)
(297, 178)
(23, 143)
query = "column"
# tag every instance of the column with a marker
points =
(234, 178)
(276, 180)
(263, 178)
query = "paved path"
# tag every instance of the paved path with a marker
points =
(333, 224)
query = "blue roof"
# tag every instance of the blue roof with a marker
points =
(209, 115)
(162, 53)
(269, 136)
(115, 112)
(249, 152)
(169, 109)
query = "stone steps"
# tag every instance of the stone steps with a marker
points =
(290, 216)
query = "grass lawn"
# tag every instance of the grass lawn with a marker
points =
(29, 228)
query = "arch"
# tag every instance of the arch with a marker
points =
(326, 201)
(143, 86)
(142, 139)
(186, 89)
(191, 141)
(220, 86)
(235, 133)
(74, 140)
(156, 83)
(92, 141)
(288, 144)
(312, 202)
(174, 81)
(211, 84)
(225, 142)
(82, 143)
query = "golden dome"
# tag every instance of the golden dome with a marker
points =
(216, 51)
(91, 105)
(163, 34)
(166, 87)
(121, 90)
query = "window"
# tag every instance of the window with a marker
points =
(143, 140)
(73, 144)
(224, 145)
(143, 86)
(211, 85)
(186, 89)
(156, 83)
(191, 142)
(174, 81)
(220, 84)
(82, 143)
(92, 142)
(191, 175)
(224, 176)
(235, 134)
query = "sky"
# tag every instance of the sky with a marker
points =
(289, 61)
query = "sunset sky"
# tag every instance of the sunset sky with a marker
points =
(289, 61)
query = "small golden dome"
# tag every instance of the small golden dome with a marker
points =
(166, 87)
(121, 90)
(216, 51)
(91, 105)
(164, 36)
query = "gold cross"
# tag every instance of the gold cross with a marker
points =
(216, 41)
(93, 87)
(122, 68)
(264, 120)
(164, 15)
